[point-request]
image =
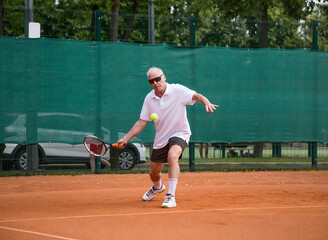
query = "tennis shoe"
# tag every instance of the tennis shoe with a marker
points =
(151, 193)
(169, 201)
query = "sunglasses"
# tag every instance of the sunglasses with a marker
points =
(156, 79)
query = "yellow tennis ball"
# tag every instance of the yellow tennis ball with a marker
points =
(154, 116)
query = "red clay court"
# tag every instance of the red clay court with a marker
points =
(211, 205)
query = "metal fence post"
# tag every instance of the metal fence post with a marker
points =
(192, 157)
(309, 149)
(31, 149)
(278, 149)
(98, 164)
(151, 22)
(314, 155)
(114, 158)
(223, 150)
(98, 25)
(192, 36)
(315, 35)
(98, 38)
(28, 16)
(32, 153)
(274, 151)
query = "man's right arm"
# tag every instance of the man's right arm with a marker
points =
(203, 100)
(134, 131)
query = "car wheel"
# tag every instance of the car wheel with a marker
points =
(8, 164)
(21, 159)
(126, 159)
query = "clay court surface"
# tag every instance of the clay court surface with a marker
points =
(237, 205)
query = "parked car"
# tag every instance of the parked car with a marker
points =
(61, 153)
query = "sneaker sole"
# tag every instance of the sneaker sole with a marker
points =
(153, 196)
(149, 199)
(166, 206)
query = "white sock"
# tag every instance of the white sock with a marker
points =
(158, 184)
(172, 186)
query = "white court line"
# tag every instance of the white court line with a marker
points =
(36, 233)
(166, 211)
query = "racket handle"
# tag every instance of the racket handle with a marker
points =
(121, 145)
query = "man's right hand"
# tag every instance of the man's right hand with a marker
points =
(121, 144)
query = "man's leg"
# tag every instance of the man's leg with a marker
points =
(92, 163)
(173, 160)
(174, 168)
(155, 170)
(174, 171)
(206, 150)
(201, 150)
(105, 162)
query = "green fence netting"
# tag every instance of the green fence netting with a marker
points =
(61, 90)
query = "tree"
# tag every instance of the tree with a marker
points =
(259, 9)
(1, 18)
(321, 15)
(131, 21)
(237, 23)
(323, 27)
(296, 9)
(114, 20)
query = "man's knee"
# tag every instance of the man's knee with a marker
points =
(154, 172)
(173, 158)
(155, 169)
(174, 154)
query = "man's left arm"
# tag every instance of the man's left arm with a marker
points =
(203, 100)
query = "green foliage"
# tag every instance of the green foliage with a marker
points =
(320, 15)
(221, 23)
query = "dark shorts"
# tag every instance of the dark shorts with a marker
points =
(160, 155)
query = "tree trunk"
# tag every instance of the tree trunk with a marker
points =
(114, 20)
(1, 18)
(258, 147)
(93, 21)
(264, 26)
(258, 150)
(131, 22)
(2, 149)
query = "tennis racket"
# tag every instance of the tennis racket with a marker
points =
(97, 146)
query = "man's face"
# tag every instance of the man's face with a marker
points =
(157, 80)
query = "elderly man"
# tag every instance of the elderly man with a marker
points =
(172, 130)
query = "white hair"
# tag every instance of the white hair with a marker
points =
(153, 69)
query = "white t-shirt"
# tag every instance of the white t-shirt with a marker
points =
(172, 113)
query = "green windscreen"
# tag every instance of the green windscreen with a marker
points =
(62, 90)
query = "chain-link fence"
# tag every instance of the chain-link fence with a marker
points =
(207, 156)
(297, 155)
(178, 30)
